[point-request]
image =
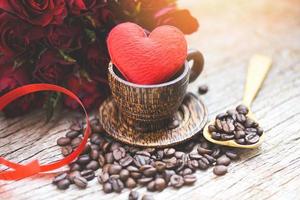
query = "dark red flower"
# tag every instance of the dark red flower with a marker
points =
(11, 78)
(86, 90)
(181, 19)
(97, 60)
(16, 37)
(78, 7)
(41, 12)
(65, 37)
(52, 67)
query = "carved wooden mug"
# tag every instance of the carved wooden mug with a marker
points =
(151, 107)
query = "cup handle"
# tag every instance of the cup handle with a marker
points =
(198, 63)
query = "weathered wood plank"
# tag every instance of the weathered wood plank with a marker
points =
(231, 31)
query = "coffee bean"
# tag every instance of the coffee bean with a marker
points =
(252, 138)
(216, 152)
(101, 160)
(260, 131)
(133, 195)
(136, 175)
(80, 182)
(140, 160)
(240, 118)
(73, 175)
(242, 109)
(63, 184)
(232, 154)
(147, 197)
(239, 126)
(227, 137)
(202, 89)
(88, 174)
(151, 186)
(249, 123)
(169, 152)
(107, 187)
(176, 181)
(220, 170)
(168, 174)
(124, 174)
(210, 158)
(218, 124)
(240, 141)
(130, 183)
(115, 169)
(83, 160)
(60, 177)
(63, 141)
(127, 160)
(95, 139)
(160, 166)
(132, 169)
(77, 126)
(189, 179)
(109, 158)
(195, 156)
(202, 150)
(93, 165)
(212, 128)
(149, 172)
(160, 184)
(75, 167)
(117, 185)
(187, 171)
(223, 160)
(119, 153)
(72, 134)
(145, 180)
(216, 135)
(94, 154)
(170, 162)
(75, 142)
(103, 177)
(66, 150)
(203, 163)
(239, 134)
(179, 154)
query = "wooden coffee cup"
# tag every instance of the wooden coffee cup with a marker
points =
(151, 107)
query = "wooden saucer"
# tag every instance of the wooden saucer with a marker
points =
(188, 121)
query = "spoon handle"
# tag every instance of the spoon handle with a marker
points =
(258, 69)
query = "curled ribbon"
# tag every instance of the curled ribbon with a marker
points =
(20, 171)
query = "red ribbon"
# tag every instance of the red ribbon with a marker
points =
(20, 171)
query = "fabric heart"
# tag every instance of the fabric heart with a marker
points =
(146, 59)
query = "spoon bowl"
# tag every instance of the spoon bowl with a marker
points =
(232, 143)
(259, 67)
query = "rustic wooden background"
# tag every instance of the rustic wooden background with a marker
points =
(231, 31)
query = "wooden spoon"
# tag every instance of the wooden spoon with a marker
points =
(258, 69)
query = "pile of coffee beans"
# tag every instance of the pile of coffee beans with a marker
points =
(118, 166)
(236, 125)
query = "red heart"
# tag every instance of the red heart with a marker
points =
(146, 59)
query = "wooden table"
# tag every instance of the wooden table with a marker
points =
(231, 31)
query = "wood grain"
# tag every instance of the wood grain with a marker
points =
(230, 32)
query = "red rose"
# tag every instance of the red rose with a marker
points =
(65, 37)
(78, 7)
(51, 67)
(85, 89)
(182, 19)
(16, 37)
(97, 60)
(10, 79)
(41, 12)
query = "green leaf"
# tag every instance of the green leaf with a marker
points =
(67, 57)
(91, 20)
(90, 34)
(51, 103)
